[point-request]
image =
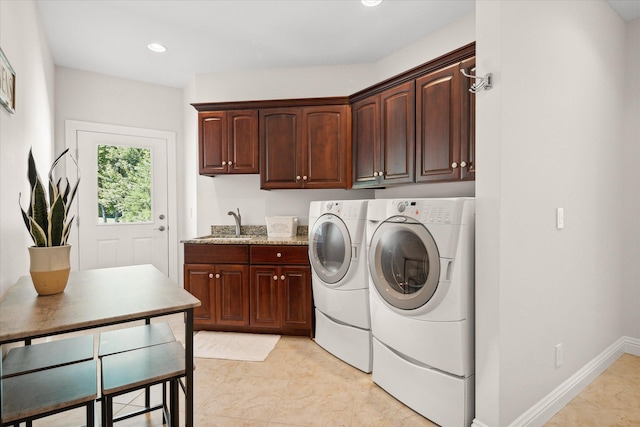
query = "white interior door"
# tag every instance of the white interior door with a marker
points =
(122, 200)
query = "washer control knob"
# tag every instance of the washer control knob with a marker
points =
(329, 206)
(401, 207)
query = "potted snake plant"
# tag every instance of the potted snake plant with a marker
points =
(48, 223)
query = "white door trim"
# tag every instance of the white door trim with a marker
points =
(72, 127)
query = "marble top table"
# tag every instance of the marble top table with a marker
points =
(95, 298)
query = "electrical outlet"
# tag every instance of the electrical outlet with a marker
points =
(559, 355)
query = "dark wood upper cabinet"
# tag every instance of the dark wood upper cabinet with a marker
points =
(438, 125)
(397, 108)
(228, 142)
(280, 146)
(305, 147)
(384, 138)
(445, 128)
(418, 126)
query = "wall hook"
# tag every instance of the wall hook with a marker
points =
(482, 83)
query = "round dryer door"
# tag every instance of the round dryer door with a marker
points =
(404, 263)
(330, 248)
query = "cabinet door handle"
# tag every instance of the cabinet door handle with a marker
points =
(230, 162)
(298, 178)
(381, 173)
(282, 277)
(217, 276)
(375, 174)
(224, 163)
(210, 275)
(275, 278)
(463, 164)
(454, 165)
(304, 178)
(279, 255)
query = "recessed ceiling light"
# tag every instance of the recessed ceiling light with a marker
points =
(371, 3)
(156, 47)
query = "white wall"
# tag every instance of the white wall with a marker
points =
(550, 134)
(98, 98)
(631, 184)
(216, 196)
(23, 42)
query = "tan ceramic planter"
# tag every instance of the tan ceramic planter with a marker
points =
(50, 268)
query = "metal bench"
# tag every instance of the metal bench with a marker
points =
(42, 393)
(141, 368)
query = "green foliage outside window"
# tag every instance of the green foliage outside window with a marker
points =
(124, 184)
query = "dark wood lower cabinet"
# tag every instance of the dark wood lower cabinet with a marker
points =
(267, 288)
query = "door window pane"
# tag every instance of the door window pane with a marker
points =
(124, 184)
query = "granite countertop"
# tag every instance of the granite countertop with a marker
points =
(249, 235)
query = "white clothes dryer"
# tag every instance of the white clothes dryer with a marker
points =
(340, 280)
(421, 270)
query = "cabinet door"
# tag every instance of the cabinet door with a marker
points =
(243, 153)
(212, 144)
(397, 121)
(438, 125)
(325, 152)
(280, 137)
(198, 281)
(232, 294)
(265, 297)
(243, 141)
(468, 125)
(297, 305)
(366, 142)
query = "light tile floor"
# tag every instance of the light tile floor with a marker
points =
(300, 384)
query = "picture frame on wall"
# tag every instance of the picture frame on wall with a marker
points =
(7, 84)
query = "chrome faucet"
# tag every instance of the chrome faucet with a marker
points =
(238, 219)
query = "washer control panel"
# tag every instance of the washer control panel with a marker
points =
(425, 211)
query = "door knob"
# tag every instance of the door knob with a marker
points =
(161, 228)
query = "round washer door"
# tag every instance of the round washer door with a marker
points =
(330, 248)
(404, 263)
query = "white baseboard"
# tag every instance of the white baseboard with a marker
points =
(632, 346)
(547, 407)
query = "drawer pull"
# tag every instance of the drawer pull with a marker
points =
(279, 255)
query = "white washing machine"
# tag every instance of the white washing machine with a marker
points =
(340, 280)
(421, 269)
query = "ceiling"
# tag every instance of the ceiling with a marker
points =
(213, 36)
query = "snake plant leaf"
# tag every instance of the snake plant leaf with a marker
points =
(67, 231)
(38, 206)
(37, 233)
(56, 222)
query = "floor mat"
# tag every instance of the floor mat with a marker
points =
(233, 345)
